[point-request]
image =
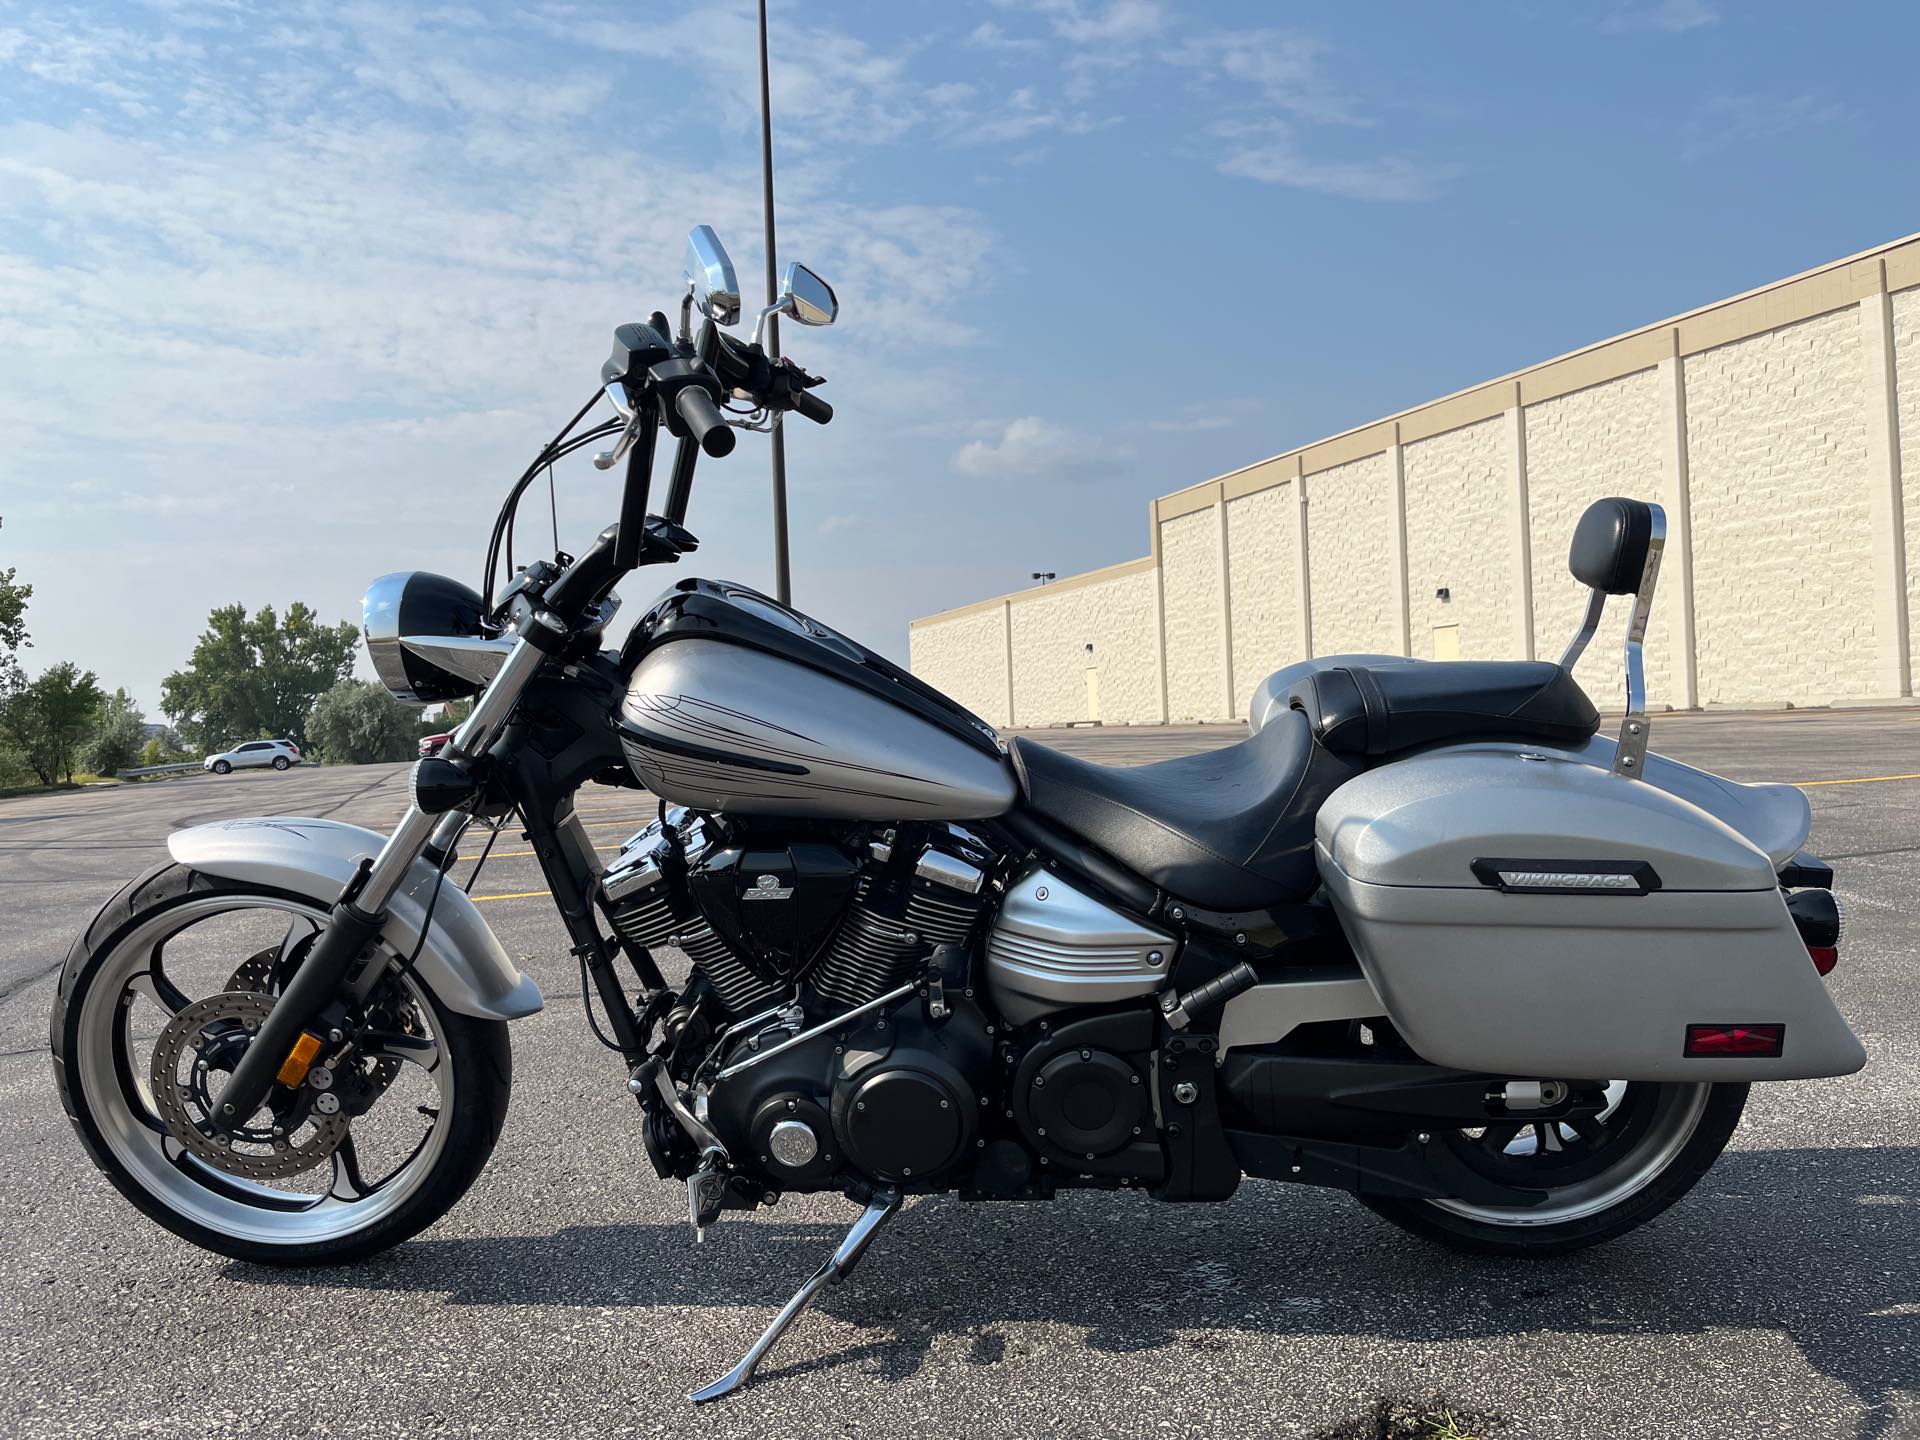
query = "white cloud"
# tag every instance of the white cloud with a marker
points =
(1118, 22)
(1283, 66)
(1730, 122)
(984, 36)
(1672, 17)
(1271, 154)
(1032, 448)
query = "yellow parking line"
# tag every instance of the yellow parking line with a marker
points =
(516, 895)
(523, 854)
(1862, 780)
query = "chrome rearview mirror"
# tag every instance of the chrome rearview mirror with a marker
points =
(807, 297)
(710, 280)
(804, 297)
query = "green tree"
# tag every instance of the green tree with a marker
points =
(118, 735)
(50, 718)
(359, 723)
(162, 749)
(13, 614)
(257, 677)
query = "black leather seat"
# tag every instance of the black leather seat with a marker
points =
(1381, 710)
(1233, 829)
(1228, 830)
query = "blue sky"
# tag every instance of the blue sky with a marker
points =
(289, 294)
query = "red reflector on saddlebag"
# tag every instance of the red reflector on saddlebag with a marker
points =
(1709, 1041)
(1824, 957)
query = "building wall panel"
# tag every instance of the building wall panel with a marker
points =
(964, 658)
(1053, 627)
(1266, 578)
(1906, 359)
(1190, 555)
(1783, 577)
(1350, 558)
(1457, 540)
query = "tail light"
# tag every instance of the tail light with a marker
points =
(1821, 921)
(1707, 1042)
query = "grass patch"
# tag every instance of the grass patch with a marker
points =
(1430, 1419)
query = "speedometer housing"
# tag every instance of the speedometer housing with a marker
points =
(415, 603)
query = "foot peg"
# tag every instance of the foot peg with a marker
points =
(706, 1190)
(882, 1208)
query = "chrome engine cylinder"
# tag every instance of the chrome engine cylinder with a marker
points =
(646, 909)
(882, 942)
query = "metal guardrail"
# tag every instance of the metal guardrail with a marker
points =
(177, 766)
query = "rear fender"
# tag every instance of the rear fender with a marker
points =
(461, 960)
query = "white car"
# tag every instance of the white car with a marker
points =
(280, 754)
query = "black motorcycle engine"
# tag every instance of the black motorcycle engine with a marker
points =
(787, 920)
(893, 1096)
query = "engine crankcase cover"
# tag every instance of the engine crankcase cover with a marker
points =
(908, 1121)
(1082, 1097)
(908, 1093)
(1089, 1102)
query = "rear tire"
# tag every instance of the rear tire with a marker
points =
(249, 1222)
(1681, 1135)
(280, 762)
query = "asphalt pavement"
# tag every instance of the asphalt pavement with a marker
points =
(563, 1296)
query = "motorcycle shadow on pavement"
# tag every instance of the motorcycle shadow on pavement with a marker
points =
(1822, 1246)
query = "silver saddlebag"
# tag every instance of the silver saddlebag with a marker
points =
(1528, 913)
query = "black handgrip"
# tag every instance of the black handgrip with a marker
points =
(704, 421)
(806, 403)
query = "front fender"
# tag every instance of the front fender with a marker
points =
(461, 960)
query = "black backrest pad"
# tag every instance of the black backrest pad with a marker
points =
(1384, 709)
(1610, 545)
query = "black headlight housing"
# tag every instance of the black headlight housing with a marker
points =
(416, 603)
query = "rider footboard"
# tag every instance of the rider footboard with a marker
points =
(1531, 914)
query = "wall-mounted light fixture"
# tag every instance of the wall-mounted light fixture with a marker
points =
(1443, 595)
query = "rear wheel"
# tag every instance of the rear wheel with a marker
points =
(280, 762)
(1603, 1174)
(156, 1004)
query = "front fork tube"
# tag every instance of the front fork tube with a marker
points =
(360, 913)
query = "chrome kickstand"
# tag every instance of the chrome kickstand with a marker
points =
(882, 1208)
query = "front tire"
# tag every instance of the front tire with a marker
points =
(222, 767)
(124, 967)
(1608, 1176)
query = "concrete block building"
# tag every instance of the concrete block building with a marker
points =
(1776, 428)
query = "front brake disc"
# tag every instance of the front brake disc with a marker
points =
(269, 1152)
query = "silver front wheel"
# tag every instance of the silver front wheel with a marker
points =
(156, 1006)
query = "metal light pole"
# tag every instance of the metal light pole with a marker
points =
(782, 579)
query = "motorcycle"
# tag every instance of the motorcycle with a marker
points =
(1424, 936)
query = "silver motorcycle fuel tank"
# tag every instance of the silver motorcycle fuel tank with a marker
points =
(735, 702)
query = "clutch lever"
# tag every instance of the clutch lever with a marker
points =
(617, 393)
